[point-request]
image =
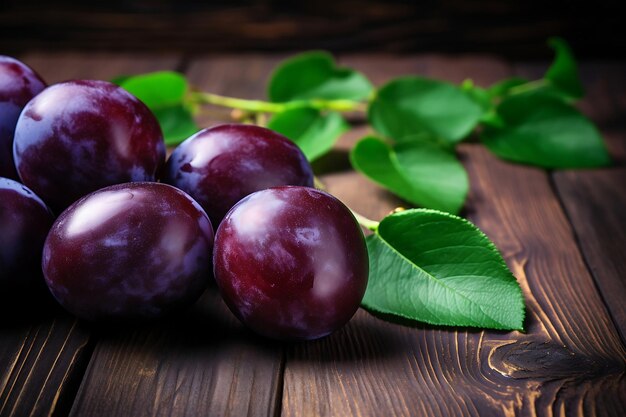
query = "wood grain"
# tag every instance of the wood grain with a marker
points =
(202, 362)
(569, 362)
(595, 202)
(43, 356)
(41, 360)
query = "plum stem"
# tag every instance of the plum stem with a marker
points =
(365, 222)
(260, 106)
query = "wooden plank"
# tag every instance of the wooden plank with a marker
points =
(569, 362)
(203, 362)
(43, 356)
(596, 209)
(56, 67)
(595, 202)
(616, 144)
(199, 363)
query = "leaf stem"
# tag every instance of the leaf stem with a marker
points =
(529, 86)
(365, 222)
(317, 183)
(260, 106)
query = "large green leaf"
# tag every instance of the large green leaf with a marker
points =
(410, 106)
(314, 75)
(421, 172)
(440, 269)
(543, 130)
(165, 93)
(314, 132)
(563, 73)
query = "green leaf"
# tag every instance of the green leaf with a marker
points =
(440, 269)
(410, 106)
(176, 123)
(543, 130)
(120, 79)
(314, 75)
(165, 93)
(563, 73)
(157, 89)
(478, 94)
(421, 172)
(502, 88)
(315, 133)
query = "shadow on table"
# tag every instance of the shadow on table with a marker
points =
(206, 330)
(336, 160)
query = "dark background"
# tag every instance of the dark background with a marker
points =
(512, 29)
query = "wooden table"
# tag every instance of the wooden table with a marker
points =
(562, 233)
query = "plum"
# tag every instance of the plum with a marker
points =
(221, 165)
(291, 262)
(24, 224)
(18, 84)
(129, 251)
(79, 136)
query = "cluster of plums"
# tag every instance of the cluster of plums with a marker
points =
(289, 260)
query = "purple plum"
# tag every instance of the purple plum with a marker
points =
(291, 263)
(18, 84)
(129, 251)
(79, 136)
(221, 165)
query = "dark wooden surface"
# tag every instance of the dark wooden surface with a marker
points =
(563, 234)
(507, 28)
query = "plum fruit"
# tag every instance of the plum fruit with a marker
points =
(221, 165)
(129, 251)
(18, 84)
(291, 262)
(24, 224)
(79, 136)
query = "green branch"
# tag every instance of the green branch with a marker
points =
(365, 222)
(260, 106)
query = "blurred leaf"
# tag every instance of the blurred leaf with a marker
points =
(314, 75)
(421, 172)
(563, 73)
(411, 106)
(543, 130)
(478, 94)
(315, 133)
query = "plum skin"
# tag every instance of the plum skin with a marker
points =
(221, 165)
(79, 136)
(129, 251)
(24, 224)
(291, 263)
(18, 85)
